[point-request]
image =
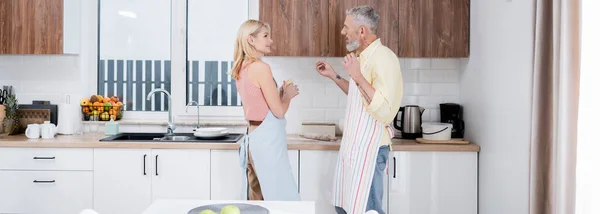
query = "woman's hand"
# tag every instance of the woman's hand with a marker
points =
(289, 91)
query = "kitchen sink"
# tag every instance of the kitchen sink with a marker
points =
(176, 137)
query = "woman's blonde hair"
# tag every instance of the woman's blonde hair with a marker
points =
(243, 50)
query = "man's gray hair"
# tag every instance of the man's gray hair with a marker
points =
(365, 15)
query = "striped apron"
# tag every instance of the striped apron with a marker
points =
(358, 153)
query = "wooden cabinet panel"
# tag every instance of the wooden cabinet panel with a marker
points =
(451, 36)
(434, 28)
(410, 28)
(388, 29)
(299, 27)
(31, 27)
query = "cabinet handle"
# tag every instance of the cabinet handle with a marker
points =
(36, 181)
(144, 164)
(394, 167)
(44, 158)
(156, 165)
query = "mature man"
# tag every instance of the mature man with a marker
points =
(374, 94)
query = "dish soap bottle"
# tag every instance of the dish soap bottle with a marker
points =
(111, 127)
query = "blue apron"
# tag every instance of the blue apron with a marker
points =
(268, 145)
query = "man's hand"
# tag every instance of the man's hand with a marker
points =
(352, 65)
(325, 70)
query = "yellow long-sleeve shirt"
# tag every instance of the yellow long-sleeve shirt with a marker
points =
(383, 72)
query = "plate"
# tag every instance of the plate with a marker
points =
(244, 208)
(212, 132)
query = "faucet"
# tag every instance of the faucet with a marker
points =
(170, 126)
(198, 111)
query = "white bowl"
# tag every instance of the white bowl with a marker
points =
(437, 131)
(210, 132)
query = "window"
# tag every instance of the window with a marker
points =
(211, 30)
(142, 43)
(134, 51)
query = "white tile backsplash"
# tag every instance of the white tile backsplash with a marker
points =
(427, 82)
(434, 115)
(410, 75)
(444, 89)
(334, 115)
(430, 101)
(410, 100)
(326, 101)
(41, 77)
(450, 64)
(438, 76)
(450, 99)
(314, 115)
(418, 63)
(417, 88)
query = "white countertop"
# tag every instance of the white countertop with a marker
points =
(183, 206)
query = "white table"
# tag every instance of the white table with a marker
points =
(176, 206)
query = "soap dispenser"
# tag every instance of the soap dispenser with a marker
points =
(111, 127)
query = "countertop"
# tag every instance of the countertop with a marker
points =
(295, 142)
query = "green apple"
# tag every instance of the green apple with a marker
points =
(208, 212)
(230, 209)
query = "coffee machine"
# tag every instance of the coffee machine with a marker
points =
(452, 113)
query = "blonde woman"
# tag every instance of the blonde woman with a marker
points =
(263, 152)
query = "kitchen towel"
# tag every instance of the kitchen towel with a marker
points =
(69, 116)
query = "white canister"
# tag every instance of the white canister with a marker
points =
(437, 131)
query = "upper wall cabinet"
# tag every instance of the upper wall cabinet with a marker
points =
(299, 27)
(410, 28)
(434, 28)
(39, 26)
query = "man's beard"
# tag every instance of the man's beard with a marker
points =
(352, 45)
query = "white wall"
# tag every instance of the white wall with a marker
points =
(496, 91)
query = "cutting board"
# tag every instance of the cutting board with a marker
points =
(30, 116)
(451, 141)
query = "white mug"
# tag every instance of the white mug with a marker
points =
(33, 131)
(48, 130)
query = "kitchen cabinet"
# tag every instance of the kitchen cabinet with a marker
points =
(226, 174)
(434, 28)
(128, 180)
(433, 182)
(119, 180)
(299, 28)
(410, 28)
(181, 174)
(316, 174)
(122, 180)
(49, 192)
(40, 26)
(45, 180)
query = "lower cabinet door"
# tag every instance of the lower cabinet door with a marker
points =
(45, 192)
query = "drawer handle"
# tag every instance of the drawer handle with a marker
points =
(44, 158)
(144, 164)
(42, 181)
(394, 167)
(156, 165)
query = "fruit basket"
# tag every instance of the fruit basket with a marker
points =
(98, 108)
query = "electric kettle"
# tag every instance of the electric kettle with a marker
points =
(410, 121)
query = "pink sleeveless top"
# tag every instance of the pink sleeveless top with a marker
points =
(253, 102)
